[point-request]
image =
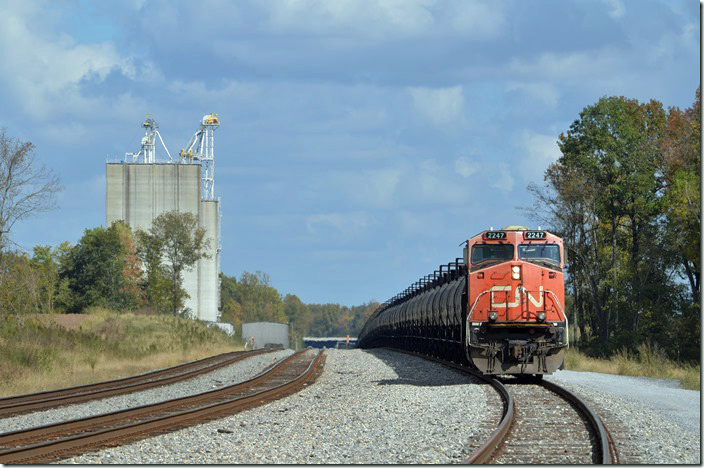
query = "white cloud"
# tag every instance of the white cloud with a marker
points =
(690, 33)
(573, 65)
(504, 180)
(429, 182)
(45, 70)
(347, 226)
(200, 92)
(477, 19)
(442, 107)
(670, 44)
(419, 223)
(543, 92)
(432, 183)
(66, 133)
(364, 18)
(370, 188)
(617, 10)
(374, 20)
(538, 151)
(465, 166)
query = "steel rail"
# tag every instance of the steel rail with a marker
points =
(605, 447)
(171, 420)
(603, 439)
(484, 451)
(60, 429)
(5, 401)
(80, 394)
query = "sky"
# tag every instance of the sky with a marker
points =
(361, 141)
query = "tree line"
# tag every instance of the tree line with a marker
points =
(625, 196)
(125, 270)
(112, 267)
(251, 298)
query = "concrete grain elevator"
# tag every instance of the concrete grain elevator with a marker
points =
(139, 189)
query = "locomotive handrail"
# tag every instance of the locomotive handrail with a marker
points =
(471, 311)
(567, 322)
(524, 291)
(562, 311)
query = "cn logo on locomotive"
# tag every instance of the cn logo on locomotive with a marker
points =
(517, 302)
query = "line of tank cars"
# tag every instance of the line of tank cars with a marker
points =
(499, 308)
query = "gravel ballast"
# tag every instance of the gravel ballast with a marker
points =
(652, 420)
(366, 407)
(379, 406)
(229, 375)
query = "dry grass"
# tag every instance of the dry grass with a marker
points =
(647, 362)
(43, 354)
(79, 372)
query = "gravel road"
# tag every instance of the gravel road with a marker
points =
(653, 420)
(661, 395)
(378, 406)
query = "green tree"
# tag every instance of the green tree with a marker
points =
(45, 262)
(20, 285)
(231, 309)
(154, 282)
(299, 318)
(259, 300)
(605, 197)
(252, 298)
(95, 269)
(325, 319)
(64, 297)
(360, 315)
(172, 245)
(681, 169)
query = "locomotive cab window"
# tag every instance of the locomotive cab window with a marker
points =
(490, 254)
(540, 253)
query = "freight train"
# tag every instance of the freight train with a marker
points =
(500, 308)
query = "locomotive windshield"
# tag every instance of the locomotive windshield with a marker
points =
(490, 254)
(539, 253)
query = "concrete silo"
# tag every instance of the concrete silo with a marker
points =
(140, 189)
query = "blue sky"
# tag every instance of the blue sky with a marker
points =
(361, 141)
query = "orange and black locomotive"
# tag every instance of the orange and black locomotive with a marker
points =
(499, 308)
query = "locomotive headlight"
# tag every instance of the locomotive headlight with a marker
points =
(516, 272)
(541, 316)
(493, 316)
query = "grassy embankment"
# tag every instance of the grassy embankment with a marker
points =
(648, 362)
(39, 354)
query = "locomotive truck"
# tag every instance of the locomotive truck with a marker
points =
(499, 308)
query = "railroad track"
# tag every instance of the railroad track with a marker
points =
(541, 423)
(11, 406)
(544, 423)
(56, 441)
